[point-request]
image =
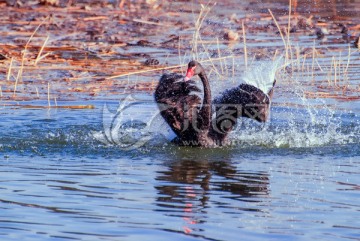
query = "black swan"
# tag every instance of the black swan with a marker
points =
(207, 123)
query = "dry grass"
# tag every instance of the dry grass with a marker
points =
(28, 69)
(244, 40)
(337, 76)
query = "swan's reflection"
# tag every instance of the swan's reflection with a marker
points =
(188, 189)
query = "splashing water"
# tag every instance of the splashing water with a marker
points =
(309, 123)
(302, 124)
(261, 74)
(287, 130)
(134, 123)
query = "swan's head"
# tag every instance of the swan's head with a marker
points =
(194, 68)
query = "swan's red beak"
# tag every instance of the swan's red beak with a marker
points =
(189, 73)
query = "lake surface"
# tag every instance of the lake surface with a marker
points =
(111, 173)
(290, 182)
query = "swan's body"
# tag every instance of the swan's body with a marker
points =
(205, 122)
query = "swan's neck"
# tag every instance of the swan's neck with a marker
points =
(207, 90)
(205, 111)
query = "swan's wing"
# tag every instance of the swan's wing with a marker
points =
(242, 101)
(176, 99)
(249, 101)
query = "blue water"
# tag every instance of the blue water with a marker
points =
(58, 182)
(111, 173)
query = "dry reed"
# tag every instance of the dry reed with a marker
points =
(244, 41)
(39, 57)
(48, 94)
(9, 69)
(20, 71)
(163, 68)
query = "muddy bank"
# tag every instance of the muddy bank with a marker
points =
(80, 50)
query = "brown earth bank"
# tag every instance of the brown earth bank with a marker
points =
(79, 50)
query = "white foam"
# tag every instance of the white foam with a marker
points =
(261, 74)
